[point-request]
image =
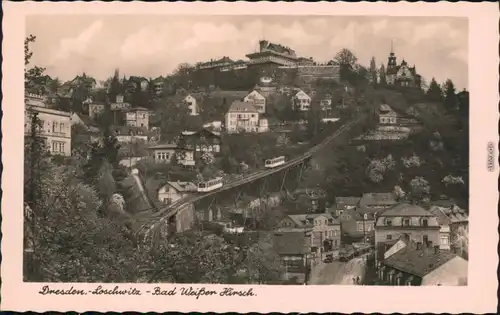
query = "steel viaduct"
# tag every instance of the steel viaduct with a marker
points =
(147, 222)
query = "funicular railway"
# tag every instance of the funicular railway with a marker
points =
(150, 220)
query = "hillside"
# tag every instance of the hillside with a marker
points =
(438, 154)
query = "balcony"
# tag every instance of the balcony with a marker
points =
(187, 162)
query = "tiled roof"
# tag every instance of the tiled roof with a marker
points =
(302, 94)
(135, 109)
(239, 106)
(418, 262)
(183, 186)
(290, 243)
(405, 209)
(447, 216)
(385, 107)
(164, 146)
(350, 226)
(301, 219)
(129, 130)
(204, 130)
(255, 94)
(445, 203)
(347, 201)
(378, 199)
(442, 218)
(310, 192)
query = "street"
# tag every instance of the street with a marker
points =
(338, 272)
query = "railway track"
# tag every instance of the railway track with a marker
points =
(153, 219)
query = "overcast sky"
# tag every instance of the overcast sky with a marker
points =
(154, 45)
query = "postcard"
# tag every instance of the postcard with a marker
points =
(250, 157)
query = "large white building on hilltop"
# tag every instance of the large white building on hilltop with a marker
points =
(244, 117)
(55, 125)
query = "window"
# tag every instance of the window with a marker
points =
(406, 222)
(425, 222)
(388, 237)
(61, 128)
(54, 127)
(388, 222)
(360, 226)
(425, 239)
(444, 240)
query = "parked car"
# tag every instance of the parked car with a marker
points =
(346, 254)
(328, 259)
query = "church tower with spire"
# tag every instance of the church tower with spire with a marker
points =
(392, 66)
(392, 62)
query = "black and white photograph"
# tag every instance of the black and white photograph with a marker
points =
(246, 149)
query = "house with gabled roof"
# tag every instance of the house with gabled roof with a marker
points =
(301, 101)
(244, 117)
(357, 226)
(323, 229)
(453, 221)
(378, 200)
(414, 264)
(293, 247)
(344, 203)
(409, 221)
(258, 101)
(172, 191)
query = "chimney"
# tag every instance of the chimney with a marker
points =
(436, 249)
(419, 245)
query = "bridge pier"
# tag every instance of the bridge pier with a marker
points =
(183, 220)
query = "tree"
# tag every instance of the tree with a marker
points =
(54, 85)
(33, 75)
(106, 184)
(373, 71)
(450, 97)
(419, 189)
(346, 61)
(399, 193)
(67, 231)
(106, 149)
(346, 58)
(377, 168)
(172, 117)
(412, 161)
(383, 80)
(314, 120)
(194, 257)
(261, 264)
(434, 92)
(81, 92)
(115, 86)
(36, 165)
